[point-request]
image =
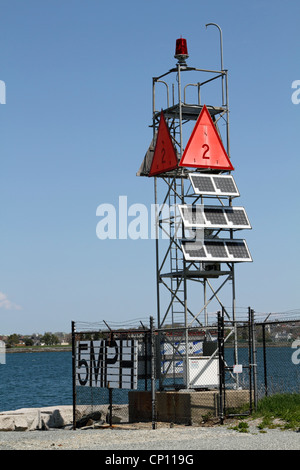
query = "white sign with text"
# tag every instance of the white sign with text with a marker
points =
(104, 363)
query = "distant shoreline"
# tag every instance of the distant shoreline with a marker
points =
(33, 349)
(37, 349)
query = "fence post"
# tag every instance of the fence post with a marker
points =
(250, 358)
(146, 359)
(265, 358)
(254, 360)
(153, 402)
(220, 344)
(110, 407)
(223, 359)
(74, 374)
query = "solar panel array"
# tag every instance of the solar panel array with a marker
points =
(216, 249)
(216, 185)
(214, 217)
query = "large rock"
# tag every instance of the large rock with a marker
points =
(31, 419)
(28, 419)
(7, 423)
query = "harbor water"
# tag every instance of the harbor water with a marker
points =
(41, 379)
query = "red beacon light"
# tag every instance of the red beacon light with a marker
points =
(181, 52)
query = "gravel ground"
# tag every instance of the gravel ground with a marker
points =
(163, 438)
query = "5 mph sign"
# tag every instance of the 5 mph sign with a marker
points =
(104, 363)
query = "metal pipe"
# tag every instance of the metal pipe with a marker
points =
(221, 415)
(146, 357)
(74, 373)
(187, 69)
(221, 51)
(191, 84)
(265, 358)
(250, 359)
(187, 379)
(153, 103)
(227, 118)
(254, 360)
(156, 223)
(110, 407)
(180, 109)
(167, 86)
(152, 373)
(234, 323)
(205, 309)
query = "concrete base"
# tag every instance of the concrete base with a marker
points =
(182, 407)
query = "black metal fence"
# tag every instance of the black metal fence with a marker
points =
(278, 357)
(181, 376)
(100, 392)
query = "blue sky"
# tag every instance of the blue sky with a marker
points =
(75, 128)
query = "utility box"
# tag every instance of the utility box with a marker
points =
(203, 372)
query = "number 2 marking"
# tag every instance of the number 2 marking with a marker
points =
(205, 151)
(163, 152)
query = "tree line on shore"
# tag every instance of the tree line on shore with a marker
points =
(47, 339)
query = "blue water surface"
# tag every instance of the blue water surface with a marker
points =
(41, 379)
(38, 379)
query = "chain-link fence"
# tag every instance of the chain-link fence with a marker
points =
(278, 357)
(196, 382)
(108, 364)
(155, 375)
(178, 375)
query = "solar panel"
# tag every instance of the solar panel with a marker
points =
(225, 185)
(215, 216)
(236, 216)
(217, 185)
(238, 249)
(222, 250)
(193, 216)
(200, 216)
(203, 184)
(216, 249)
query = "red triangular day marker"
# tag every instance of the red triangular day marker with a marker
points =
(205, 148)
(164, 158)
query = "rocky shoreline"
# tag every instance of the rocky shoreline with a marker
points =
(32, 419)
(60, 417)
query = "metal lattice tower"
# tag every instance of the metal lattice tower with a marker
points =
(188, 281)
